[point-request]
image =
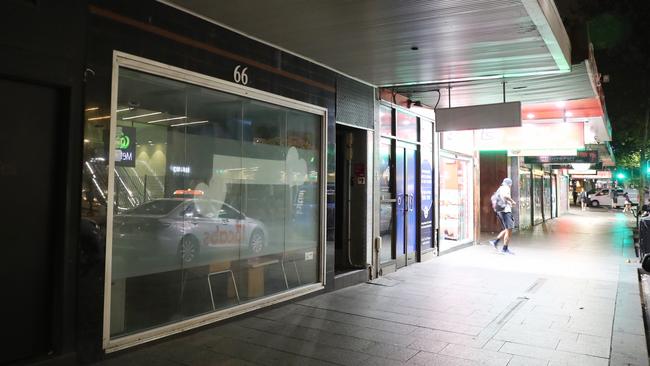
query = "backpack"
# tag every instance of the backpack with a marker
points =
(498, 204)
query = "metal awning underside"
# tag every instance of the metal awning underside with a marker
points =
(574, 85)
(372, 40)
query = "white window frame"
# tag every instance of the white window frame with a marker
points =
(124, 60)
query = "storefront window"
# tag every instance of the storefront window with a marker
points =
(386, 121)
(524, 198)
(456, 217)
(406, 126)
(547, 197)
(387, 203)
(216, 201)
(537, 198)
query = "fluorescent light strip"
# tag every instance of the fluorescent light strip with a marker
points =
(98, 118)
(142, 115)
(166, 119)
(92, 109)
(189, 123)
(123, 110)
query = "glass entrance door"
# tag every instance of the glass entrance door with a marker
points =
(406, 221)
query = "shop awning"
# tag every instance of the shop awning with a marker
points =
(577, 84)
(575, 96)
(388, 43)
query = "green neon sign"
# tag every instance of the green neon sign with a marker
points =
(123, 141)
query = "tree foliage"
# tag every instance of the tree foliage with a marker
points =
(621, 37)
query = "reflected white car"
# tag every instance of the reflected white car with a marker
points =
(191, 230)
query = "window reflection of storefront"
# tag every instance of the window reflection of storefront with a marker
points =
(387, 203)
(554, 194)
(456, 208)
(524, 198)
(216, 202)
(548, 202)
(563, 196)
(538, 196)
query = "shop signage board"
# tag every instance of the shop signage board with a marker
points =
(532, 136)
(543, 152)
(125, 146)
(478, 117)
(582, 172)
(582, 157)
(601, 174)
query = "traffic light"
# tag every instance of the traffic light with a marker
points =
(620, 176)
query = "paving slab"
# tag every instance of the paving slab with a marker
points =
(569, 296)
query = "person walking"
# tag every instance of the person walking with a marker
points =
(584, 200)
(502, 203)
(627, 208)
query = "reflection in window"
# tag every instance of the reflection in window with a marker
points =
(216, 201)
(386, 121)
(386, 207)
(456, 218)
(406, 126)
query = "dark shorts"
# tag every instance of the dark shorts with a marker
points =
(506, 220)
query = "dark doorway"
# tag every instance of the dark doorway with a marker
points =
(494, 167)
(28, 165)
(351, 198)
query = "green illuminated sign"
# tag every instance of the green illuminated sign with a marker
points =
(124, 149)
(123, 141)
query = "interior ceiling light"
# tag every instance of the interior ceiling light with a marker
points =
(99, 118)
(561, 104)
(124, 110)
(166, 119)
(92, 109)
(568, 114)
(142, 115)
(189, 123)
(530, 116)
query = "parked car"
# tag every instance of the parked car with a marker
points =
(603, 197)
(190, 230)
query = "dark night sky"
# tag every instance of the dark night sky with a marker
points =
(620, 32)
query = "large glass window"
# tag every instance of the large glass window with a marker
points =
(216, 201)
(524, 198)
(456, 211)
(406, 126)
(385, 121)
(387, 204)
(547, 197)
(538, 194)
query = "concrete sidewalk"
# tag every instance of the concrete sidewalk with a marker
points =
(567, 297)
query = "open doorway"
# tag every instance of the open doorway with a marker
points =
(351, 199)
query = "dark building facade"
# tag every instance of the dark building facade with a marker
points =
(206, 163)
(175, 173)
